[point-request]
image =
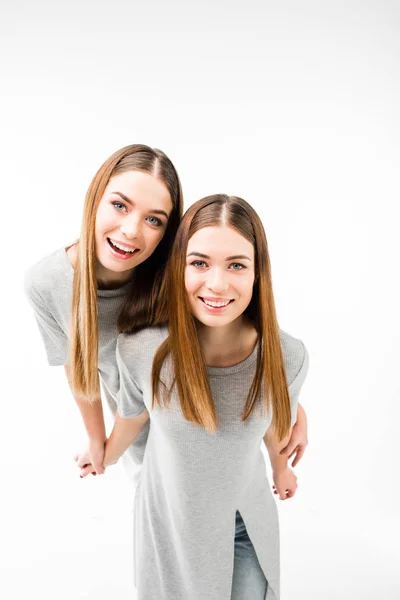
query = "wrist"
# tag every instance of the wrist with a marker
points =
(279, 469)
(97, 440)
(279, 465)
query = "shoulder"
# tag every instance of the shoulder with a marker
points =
(48, 274)
(295, 356)
(141, 346)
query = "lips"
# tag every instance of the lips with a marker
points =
(216, 302)
(122, 245)
(122, 250)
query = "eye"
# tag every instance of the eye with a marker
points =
(199, 264)
(120, 206)
(154, 221)
(236, 266)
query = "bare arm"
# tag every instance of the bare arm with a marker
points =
(299, 439)
(278, 461)
(285, 481)
(124, 432)
(93, 419)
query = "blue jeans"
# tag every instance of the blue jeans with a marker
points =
(248, 581)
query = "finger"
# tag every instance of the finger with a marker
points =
(282, 494)
(76, 457)
(86, 470)
(82, 460)
(295, 449)
(299, 454)
(287, 495)
(287, 449)
(98, 467)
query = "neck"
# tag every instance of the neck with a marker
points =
(106, 280)
(228, 345)
(109, 280)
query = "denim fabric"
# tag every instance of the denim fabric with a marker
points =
(248, 581)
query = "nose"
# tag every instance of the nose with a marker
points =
(217, 280)
(130, 227)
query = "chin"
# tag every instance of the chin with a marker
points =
(213, 321)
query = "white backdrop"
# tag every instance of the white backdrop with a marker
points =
(293, 106)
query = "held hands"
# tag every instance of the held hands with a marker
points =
(285, 483)
(91, 460)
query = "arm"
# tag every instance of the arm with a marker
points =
(284, 478)
(124, 432)
(93, 419)
(278, 462)
(298, 440)
(37, 285)
(297, 354)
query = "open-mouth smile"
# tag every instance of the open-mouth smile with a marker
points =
(216, 304)
(121, 250)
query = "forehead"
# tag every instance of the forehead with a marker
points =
(220, 242)
(141, 188)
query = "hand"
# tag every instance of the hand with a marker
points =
(82, 460)
(91, 457)
(285, 483)
(298, 440)
(96, 451)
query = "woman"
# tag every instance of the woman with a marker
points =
(82, 295)
(108, 279)
(215, 383)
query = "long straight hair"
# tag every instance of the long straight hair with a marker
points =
(189, 369)
(139, 307)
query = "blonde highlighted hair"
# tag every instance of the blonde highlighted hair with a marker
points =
(189, 369)
(139, 308)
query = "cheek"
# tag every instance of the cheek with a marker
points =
(153, 238)
(103, 219)
(187, 281)
(246, 288)
(191, 283)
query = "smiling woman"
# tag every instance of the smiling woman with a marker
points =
(217, 380)
(108, 281)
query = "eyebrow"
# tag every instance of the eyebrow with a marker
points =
(236, 257)
(156, 211)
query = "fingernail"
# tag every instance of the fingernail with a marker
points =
(81, 476)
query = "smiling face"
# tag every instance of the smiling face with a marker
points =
(219, 275)
(131, 220)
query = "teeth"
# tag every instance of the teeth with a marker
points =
(215, 304)
(122, 247)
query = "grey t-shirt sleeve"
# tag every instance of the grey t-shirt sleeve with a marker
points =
(130, 397)
(296, 384)
(54, 338)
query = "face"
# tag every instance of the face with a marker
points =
(131, 220)
(219, 275)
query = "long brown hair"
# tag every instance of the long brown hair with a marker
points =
(189, 369)
(139, 308)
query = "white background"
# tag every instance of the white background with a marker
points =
(293, 106)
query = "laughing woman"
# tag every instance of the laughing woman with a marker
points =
(108, 280)
(216, 382)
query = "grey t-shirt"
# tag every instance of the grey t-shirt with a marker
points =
(193, 482)
(48, 285)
